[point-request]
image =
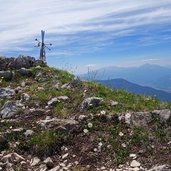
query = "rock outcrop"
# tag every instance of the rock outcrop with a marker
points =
(9, 110)
(16, 63)
(6, 93)
(90, 102)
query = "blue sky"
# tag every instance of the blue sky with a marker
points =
(89, 34)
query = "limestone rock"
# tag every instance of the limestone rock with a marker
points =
(55, 168)
(90, 102)
(160, 168)
(20, 62)
(43, 167)
(114, 103)
(66, 86)
(7, 75)
(66, 123)
(25, 72)
(35, 161)
(6, 93)
(141, 118)
(29, 133)
(25, 97)
(63, 98)
(65, 156)
(52, 101)
(9, 110)
(164, 115)
(128, 118)
(135, 163)
(134, 156)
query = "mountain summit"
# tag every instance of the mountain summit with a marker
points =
(51, 120)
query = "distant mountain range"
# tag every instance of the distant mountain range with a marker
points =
(137, 89)
(155, 76)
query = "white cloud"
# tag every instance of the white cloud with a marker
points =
(91, 65)
(150, 60)
(21, 21)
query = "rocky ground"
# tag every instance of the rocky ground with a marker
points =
(50, 120)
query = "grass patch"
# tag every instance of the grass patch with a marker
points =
(140, 137)
(47, 143)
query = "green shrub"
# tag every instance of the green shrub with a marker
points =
(140, 136)
(60, 110)
(42, 96)
(45, 143)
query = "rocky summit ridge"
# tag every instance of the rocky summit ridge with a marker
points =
(50, 120)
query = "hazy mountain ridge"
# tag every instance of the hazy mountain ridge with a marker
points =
(154, 76)
(137, 89)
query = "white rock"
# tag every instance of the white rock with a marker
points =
(29, 132)
(121, 166)
(48, 160)
(63, 148)
(23, 163)
(64, 98)
(102, 168)
(18, 157)
(65, 155)
(62, 164)
(25, 97)
(81, 117)
(95, 149)
(65, 161)
(76, 162)
(90, 102)
(135, 163)
(134, 156)
(128, 118)
(123, 145)
(35, 161)
(23, 84)
(18, 130)
(159, 168)
(169, 143)
(9, 109)
(40, 88)
(43, 167)
(135, 169)
(55, 168)
(69, 165)
(100, 144)
(114, 103)
(52, 101)
(38, 67)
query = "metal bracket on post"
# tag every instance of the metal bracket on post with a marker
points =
(42, 46)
